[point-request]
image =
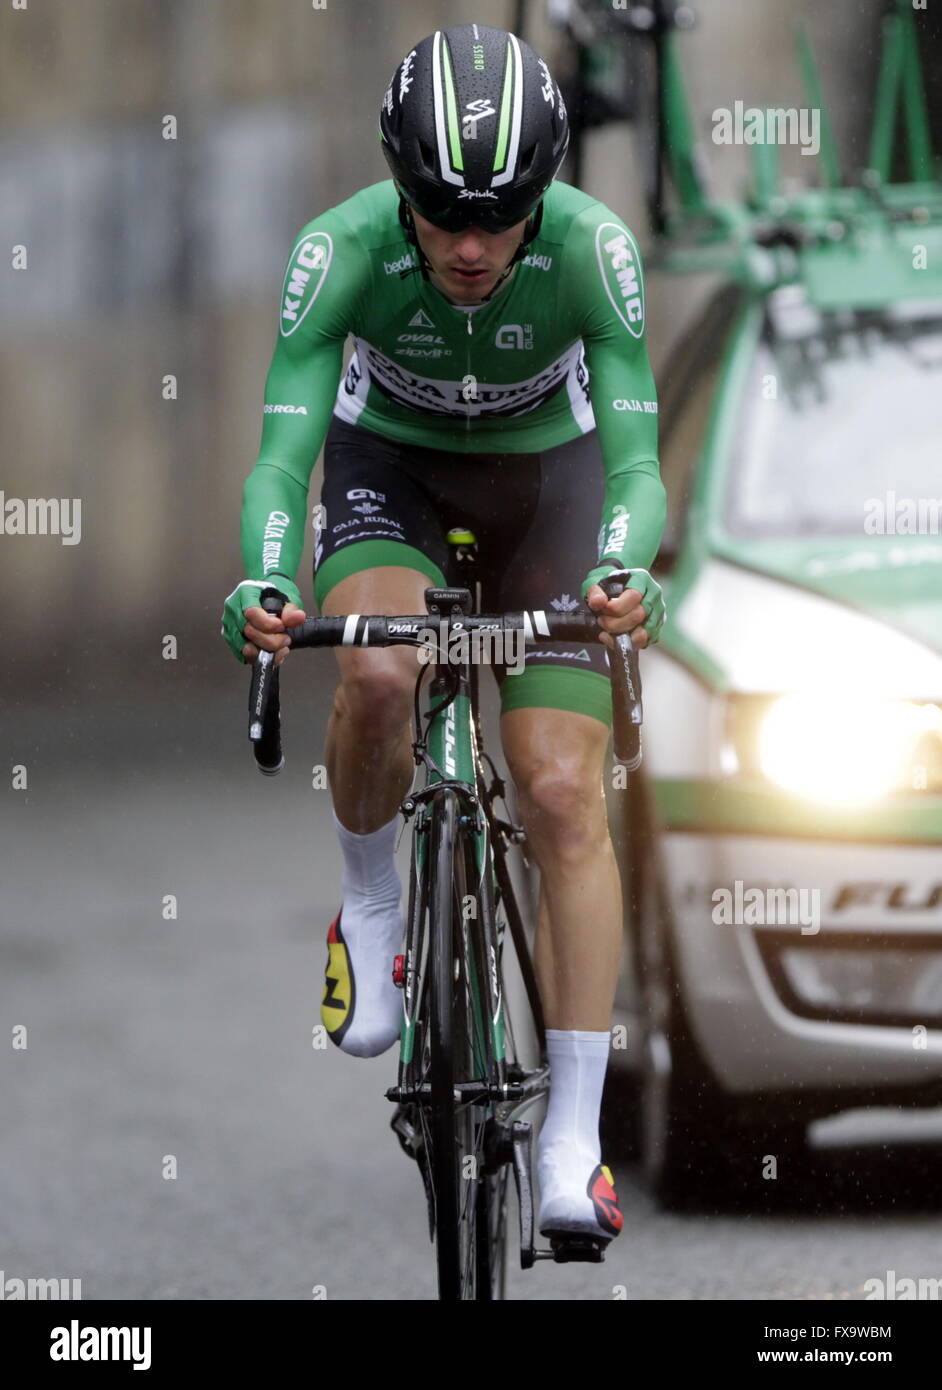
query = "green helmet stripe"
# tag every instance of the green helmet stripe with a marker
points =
(500, 155)
(450, 160)
(451, 106)
(511, 117)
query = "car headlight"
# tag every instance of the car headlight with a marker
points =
(846, 751)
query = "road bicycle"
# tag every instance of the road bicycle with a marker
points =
(463, 1082)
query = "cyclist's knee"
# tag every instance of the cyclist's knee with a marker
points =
(561, 803)
(555, 758)
(376, 697)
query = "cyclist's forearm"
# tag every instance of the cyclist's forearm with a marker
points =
(633, 515)
(273, 510)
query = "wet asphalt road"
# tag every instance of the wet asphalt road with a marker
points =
(154, 1040)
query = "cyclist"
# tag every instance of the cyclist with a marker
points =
(484, 300)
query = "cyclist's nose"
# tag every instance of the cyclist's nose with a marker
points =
(470, 246)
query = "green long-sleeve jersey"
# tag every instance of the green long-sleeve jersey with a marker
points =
(558, 351)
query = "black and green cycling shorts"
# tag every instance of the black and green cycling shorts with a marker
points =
(536, 521)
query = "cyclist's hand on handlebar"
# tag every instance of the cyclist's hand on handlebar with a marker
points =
(264, 630)
(638, 610)
(243, 610)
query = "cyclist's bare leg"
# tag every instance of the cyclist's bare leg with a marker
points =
(556, 759)
(370, 767)
(369, 742)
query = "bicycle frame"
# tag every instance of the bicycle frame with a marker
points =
(450, 751)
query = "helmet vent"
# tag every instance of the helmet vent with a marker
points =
(427, 155)
(525, 161)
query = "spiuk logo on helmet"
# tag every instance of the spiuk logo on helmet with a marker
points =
(473, 128)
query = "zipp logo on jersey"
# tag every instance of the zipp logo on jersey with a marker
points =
(307, 268)
(620, 268)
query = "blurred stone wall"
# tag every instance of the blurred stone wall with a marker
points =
(149, 257)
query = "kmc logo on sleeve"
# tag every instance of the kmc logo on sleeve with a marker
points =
(307, 269)
(620, 268)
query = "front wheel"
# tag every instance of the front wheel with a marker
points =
(463, 1193)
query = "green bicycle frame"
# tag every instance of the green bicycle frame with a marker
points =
(451, 745)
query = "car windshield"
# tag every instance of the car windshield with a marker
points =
(836, 421)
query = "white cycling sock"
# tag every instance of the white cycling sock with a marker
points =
(569, 1148)
(372, 927)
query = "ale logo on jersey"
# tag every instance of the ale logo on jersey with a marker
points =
(307, 269)
(620, 268)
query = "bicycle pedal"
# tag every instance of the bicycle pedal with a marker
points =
(569, 1247)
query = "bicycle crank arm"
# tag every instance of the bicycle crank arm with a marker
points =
(518, 1149)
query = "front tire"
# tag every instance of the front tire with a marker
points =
(454, 1125)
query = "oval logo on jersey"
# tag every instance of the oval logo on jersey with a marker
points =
(307, 266)
(620, 268)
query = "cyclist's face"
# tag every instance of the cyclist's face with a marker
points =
(468, 264)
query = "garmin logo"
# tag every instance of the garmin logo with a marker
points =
(405, 262)
(619, 264)
(284, 410)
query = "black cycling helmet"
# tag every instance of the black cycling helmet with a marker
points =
(473, 128)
